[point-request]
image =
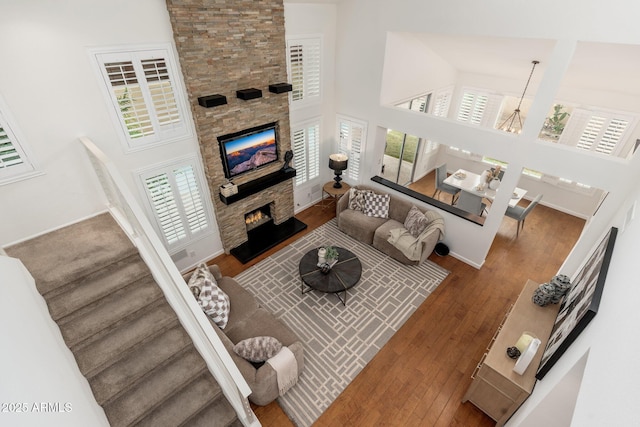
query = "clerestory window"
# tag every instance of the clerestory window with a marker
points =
(304, 58)
(15, 163)
(144, 96)
(598, 131)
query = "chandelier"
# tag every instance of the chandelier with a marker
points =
(513, 123)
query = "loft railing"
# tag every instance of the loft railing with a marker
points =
(129, 215)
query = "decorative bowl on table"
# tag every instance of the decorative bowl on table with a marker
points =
(459, 175)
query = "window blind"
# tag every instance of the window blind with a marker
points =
(165, 208)
(306, 151)
(9, 155)
(141, 86)
(176, 201)
(602, 132)
(304, 62)
(472, 108)
(351, 137)
(14, 161)
(441, 103)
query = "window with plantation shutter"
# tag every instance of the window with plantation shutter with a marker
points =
(351, 137)
(14, 162)
(419, 104)
(472, 108)
(442, 102)
(303, 63)
(176, 199)
(601, 132)
(144, 94)
(306, 151)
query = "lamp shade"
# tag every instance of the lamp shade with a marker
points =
(338, 162)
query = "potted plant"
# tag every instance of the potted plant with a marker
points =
(331, 254)
(554, 125)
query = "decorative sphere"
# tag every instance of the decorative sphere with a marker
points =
(513, 352)
(544, 294)
(562, 284)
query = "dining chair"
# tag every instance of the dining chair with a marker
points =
(519, 213)
(471, 203)
(441, 175)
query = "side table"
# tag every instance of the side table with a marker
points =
(333, 194)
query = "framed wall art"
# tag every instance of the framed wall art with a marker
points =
(581, 303)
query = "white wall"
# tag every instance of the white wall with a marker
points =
(608, 392)
(37, 367)
(48, 82)
(317, 20)
(410, 65)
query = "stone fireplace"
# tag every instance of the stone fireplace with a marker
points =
(227, 46)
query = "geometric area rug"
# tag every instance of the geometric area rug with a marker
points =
(338, 341)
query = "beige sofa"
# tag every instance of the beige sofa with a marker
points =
(376, 231)
(247, 320)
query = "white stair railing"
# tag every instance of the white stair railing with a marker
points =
(131, 218)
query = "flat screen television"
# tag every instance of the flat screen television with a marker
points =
(249, 149)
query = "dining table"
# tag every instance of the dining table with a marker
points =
(473, 183)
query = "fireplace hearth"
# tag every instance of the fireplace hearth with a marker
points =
(265, 237)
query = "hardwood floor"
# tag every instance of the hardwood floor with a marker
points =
(421, 375)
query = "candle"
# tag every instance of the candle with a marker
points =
(524, 341)
(322, 252)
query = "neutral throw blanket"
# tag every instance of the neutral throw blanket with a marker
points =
(286, 367)
(411, 246)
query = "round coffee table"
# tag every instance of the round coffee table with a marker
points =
(343, 275)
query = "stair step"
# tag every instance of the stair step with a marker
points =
(218, 413)
(95, 286)
(110, 347)
(139, 361)
(64, 255)
(156, 387)
(192, 398)
(108, 311)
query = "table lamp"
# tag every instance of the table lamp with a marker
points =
(338, 162)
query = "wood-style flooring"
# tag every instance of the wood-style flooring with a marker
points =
(421, 375)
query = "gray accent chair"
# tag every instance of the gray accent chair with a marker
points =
(470, 203)
(519, 213)
(441, 175)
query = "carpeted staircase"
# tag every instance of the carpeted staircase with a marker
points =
(140, 363)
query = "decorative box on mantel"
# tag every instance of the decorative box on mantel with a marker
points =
(228, 189)
(252, 187)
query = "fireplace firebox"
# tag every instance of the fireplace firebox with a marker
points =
(258, 217)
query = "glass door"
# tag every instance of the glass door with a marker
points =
(400, 154)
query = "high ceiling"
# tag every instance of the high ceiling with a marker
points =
(597, 66)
